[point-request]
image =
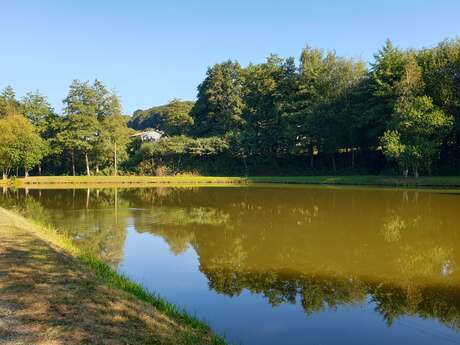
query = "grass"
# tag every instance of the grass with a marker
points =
(364, 180)
(196, 331)
(361, 180)
(121, 282)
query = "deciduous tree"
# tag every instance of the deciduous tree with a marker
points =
(219, 104)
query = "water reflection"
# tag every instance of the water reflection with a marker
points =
(95, 219)
(315, 247)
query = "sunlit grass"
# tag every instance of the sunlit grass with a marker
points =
(363, 180)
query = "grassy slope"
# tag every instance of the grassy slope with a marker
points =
(126, 312)
(445, 181)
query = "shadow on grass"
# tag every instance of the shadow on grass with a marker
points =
(48, 296)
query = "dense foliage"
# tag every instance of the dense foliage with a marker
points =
(173, 118)
(91, 133)
(324, 114)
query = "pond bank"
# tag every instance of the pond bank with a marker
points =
(358, 180)
(51, 293)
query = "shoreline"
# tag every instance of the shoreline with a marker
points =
(183, 327)
(146, 181)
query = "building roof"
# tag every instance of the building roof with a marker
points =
(150, 134)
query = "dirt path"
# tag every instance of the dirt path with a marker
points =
(48, 297)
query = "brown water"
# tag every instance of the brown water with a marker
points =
(279, 264)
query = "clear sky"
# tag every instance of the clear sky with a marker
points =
(153, 51)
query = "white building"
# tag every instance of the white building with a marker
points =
(150, 135)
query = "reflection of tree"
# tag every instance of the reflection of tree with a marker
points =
(318, 247)
(392, 228)
(96, 231)
(427, 263)
(314, 229)
(426, 301)
(174, 216)
(87, 217)
(29, 207)
(174, 224)
(316, 293)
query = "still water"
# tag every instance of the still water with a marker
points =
(279, 264)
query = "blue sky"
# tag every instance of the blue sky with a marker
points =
(153, 51)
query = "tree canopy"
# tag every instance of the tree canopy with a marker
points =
(173, 118)
(322, 113)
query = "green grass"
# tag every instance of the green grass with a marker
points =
(181, 179)
(119, 281)
(363, 180)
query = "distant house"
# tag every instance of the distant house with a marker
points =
(149, 135)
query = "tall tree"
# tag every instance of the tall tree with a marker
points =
(332, 115)
(10, 154)
(38, 110)
(8, 102)
(418, 127)
(306, 100)
(324, 114)
(114, 135)
(20, 144)
(80, 128)
(77, 137)
(41, 114)
(441, 71)
(219, 104)
(262, 115)
(33, 147)
(386, 72)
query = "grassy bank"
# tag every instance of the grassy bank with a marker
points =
(91, 292)
(365, 180)
(119, 180)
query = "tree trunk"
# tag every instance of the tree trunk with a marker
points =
(405, 172)
(39, 170)
(88, 173)
(178, 164)
(97, 168)
(26, 173)
(246, 172)
(115, 159)
(4, 175)
(405, 196)
(312, 159)
(416, 175)
(352, 157)
(73, 163)
(334, 168)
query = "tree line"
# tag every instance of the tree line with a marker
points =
(323, 113)
(91, 132)
(404, 107)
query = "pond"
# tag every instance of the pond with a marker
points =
(274, 264)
